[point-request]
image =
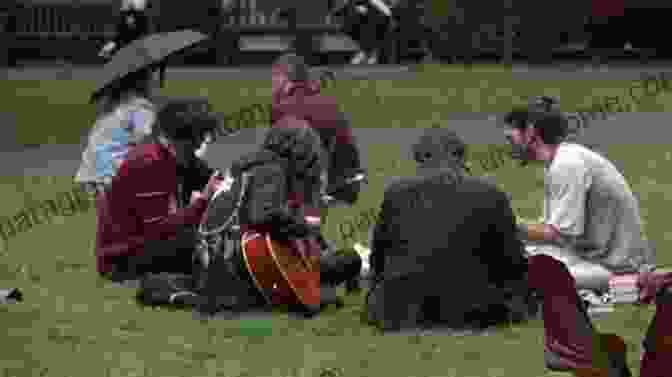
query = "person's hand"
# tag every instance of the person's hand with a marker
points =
(195, 196)
(214, 183)
(651, 283)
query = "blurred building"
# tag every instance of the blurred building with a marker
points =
(41, 25)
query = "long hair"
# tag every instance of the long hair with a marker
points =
(186, 119)
(135, 83)
(553, 126)
(293, 139)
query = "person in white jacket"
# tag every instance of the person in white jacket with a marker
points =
(125, 117)
(591, 219)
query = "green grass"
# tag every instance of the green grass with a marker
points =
(72, 324)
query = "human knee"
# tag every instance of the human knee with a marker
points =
(590, 276)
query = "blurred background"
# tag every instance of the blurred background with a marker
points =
(255, 31)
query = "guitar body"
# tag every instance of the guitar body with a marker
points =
(285, 272)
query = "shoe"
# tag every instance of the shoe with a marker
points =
(613, 350)
(372, 59)
(353, 286)
(10, 296)
(358, 58)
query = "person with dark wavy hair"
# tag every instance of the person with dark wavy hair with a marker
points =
(591, 220)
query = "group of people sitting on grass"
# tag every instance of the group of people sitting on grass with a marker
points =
(446, 249)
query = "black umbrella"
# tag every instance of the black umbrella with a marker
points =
(145, 52)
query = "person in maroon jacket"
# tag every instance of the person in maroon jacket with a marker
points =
(296, 95)
(142, 229)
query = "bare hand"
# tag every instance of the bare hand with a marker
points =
(195, 196)
(650, 283)
(216, 180)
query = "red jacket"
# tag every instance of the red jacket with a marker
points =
(321, 111)
(141, 205)
(324, 115)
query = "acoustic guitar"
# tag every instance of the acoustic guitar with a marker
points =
(284, 272)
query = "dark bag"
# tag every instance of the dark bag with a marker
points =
(222, 278)
(168, 289)
(215, 251)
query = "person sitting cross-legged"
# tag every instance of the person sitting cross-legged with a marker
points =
(141, 229)
(572, 343)
(444, 248)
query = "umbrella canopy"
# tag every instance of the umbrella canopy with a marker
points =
(145, 52)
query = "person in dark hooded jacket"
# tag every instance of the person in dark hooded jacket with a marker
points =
(281, 199)
(444, 248)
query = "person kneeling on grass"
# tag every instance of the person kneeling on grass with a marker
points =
(592, 219)
(444, 249)
(573, 344)
(140, 228)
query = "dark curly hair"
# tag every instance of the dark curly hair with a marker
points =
(552, 125)
(187, 120)
(295, 140)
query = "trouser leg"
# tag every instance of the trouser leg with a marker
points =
(336, 269)
(392, 305)
(588, 275)
(656, 346)
(171, 255)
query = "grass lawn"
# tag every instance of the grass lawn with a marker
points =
(72, 324)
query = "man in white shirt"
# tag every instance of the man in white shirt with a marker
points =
(591, 217)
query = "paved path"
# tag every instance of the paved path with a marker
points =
(474, 127)
(562, 71)
(65, 72)
(634, 128)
